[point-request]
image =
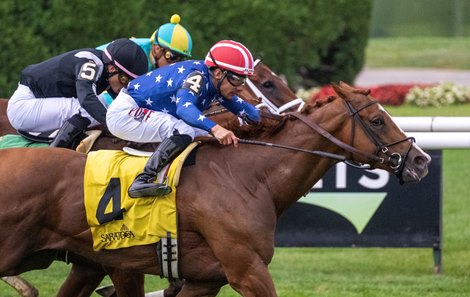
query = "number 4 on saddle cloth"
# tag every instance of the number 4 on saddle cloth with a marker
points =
(118, 221)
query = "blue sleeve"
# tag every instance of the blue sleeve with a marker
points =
(242, 109)
(187, 110)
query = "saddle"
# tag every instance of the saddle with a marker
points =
(118, 221)
(41, 137)
(83, 144)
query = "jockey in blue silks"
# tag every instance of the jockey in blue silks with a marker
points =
(166, 104)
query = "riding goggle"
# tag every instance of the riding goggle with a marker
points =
(235, 80)
(171, 56)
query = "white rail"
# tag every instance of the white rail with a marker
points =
(434, 124)
(437, 132)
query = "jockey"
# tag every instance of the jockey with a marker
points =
(165, 106)
(61, 92)
(170, 43)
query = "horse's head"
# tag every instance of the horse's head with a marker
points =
(371, 136)
(266, 89)
(372, 130)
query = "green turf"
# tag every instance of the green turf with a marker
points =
(429, 52)
(462, 110)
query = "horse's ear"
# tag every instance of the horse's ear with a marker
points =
(364, 92)
(335, 86)
(340, 90)
(345, 85)
(351, 89)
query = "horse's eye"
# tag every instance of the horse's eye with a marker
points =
(377, 122)
(268, 84)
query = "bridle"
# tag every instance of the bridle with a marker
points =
(393, 160)
(265, 102)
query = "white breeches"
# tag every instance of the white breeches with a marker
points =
(126, 120)
(28, 113)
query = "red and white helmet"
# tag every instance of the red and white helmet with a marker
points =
(232, 56)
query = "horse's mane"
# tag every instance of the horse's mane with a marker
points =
(268, 126)
(321, 102)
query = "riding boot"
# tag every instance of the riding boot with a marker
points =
(144, 185)
(69, 131)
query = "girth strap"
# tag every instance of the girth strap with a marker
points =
(167, 249)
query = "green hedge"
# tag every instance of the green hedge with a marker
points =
(309, 41)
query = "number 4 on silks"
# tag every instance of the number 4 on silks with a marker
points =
(112, 193)
(193, 82)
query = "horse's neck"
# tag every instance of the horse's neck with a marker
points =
(288, 175)
(297, 172)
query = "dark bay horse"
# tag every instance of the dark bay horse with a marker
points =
(227, 208)
(264, 89)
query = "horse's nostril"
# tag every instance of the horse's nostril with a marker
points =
(421, 161)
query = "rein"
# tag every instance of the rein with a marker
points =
(395, 160)
(325, 134)
(216, 112)
(318, 153)
(335, 140)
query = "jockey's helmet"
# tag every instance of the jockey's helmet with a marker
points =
(232, 56)
(127, 57)
(174, 37)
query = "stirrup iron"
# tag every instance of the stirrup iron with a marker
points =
(150, 190)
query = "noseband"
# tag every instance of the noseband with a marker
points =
(265, 102)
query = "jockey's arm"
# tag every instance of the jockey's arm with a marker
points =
(187, 110)
(242, 109)
(87, 96)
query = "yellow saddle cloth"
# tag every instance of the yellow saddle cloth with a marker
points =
(116, 220)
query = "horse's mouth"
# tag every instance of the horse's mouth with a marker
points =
(414, 175)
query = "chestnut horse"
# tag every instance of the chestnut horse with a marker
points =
(227, 208)
(264, 89)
